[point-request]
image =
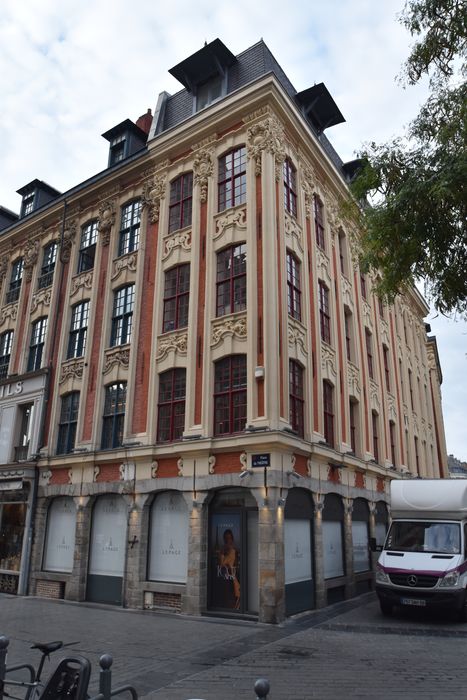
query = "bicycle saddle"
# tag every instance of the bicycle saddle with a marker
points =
(47, 647)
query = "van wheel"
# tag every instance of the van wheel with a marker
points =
(386, 608)
(463, 611)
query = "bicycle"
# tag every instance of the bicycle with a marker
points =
(69, 680)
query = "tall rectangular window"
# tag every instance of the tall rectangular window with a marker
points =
(319, 221)
(87, 248)
(48, 265)
(342, 252)
(78, 330)
(181, 199)
(294, 294)
(6, 342)
(232, 178)
(417, 461)
(374, 422)
(411, 391)
(114, 415)
(353, 425)
(296, 402)
(363, 286)
(171, 405)
(68, 423)
(290, 188)
(230, 395)
(369, 352)
(231, 280)
(15, 281)
(130, 225)
(392, 439)
(386, 367)
(328, 413)
(36, 347)
(381, 307)
(348, 333)
(122, 318)
(324, 313)
(176, 298)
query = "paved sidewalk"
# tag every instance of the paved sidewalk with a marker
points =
(346, 651)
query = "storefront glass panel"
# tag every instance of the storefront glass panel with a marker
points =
(60, 539)
(12, 521)
(168, 553)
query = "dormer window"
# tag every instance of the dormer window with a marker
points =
(28, 204)
(35, 195)
(125, 139)
(209, 92)
(117, 149)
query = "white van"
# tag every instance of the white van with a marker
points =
(423, 562)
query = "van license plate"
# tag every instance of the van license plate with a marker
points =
(413, 601)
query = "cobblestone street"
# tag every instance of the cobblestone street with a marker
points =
(346, 651)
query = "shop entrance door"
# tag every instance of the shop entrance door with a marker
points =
(107, 551)
(233, 553)
(298, 552)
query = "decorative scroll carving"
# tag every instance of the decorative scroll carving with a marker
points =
(322, 264)
(180, 466)
(153, 192)
(374, 395)
(202, 170)
(4, 260)
(128, 262)
(232, 217)
(70, 476)
(127, 471)
(45, 477)
(308, 181)
(31, 253)
(177, 342)
(243, 461)
(297, 336)
(212, 463)
(231, 326)
(69, 235)
(261, 112)
(179, 240)
(293, 230)
(328, 360)
(10, 311)
(332, 211)
(84, 280)
(106, 219)
(116, 356)
(346, 291)
(309, 466)
(43, 296)
(353, 379)
(154, 468)
(267, 135)
(392, 407)
(73, 369)
(96, 473)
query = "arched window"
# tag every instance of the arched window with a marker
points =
(168, 543)
(60, 538)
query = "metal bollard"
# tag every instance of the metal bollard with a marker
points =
(261, 688)
(4, 642)
(105, 676)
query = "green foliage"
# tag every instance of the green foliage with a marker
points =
(413, 220)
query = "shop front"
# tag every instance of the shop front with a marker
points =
(15, 513)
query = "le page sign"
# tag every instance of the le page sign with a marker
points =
(263, 460)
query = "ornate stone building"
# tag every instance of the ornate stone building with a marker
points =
(224, 400)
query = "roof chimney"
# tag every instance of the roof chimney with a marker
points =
(145, 121)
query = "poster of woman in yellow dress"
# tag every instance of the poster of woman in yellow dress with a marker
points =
(225, 561)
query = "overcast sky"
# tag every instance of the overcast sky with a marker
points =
(71, 69)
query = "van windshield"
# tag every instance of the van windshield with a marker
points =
(438, 538)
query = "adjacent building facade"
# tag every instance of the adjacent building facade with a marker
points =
(201, 400)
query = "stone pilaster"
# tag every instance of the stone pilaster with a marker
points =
(76, 589)
(40, 522)
(136, 553)
(195, 599)
(318, 564)
(271, 557)
(372, 528)
(348, 548)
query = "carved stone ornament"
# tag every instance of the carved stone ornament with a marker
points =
(212, 463)
(153, 192)
(235, 327)
(42, 297)
(308, 181)
(322, 264)
(309, 465)
(328, 361)
(353, 380)
(70, 476)
(296, 336)
(374, 396)
(96, 473)
(180, 466)
(178, 240)
(45, 477)
(71, 370)
(266, 135)
(177, 343)
(69, 235)
(154, 468)
(106, 219)
(10, 311)
(116, 356)
(31, 253)
(293, 230)
(202, 170)
(232, 217)
(127, 262)
(83, 280)
(4, 260)
(366, 313)
(346, 292)
(332, 211)
(243, 461)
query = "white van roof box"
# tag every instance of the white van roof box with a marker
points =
(429, 498)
